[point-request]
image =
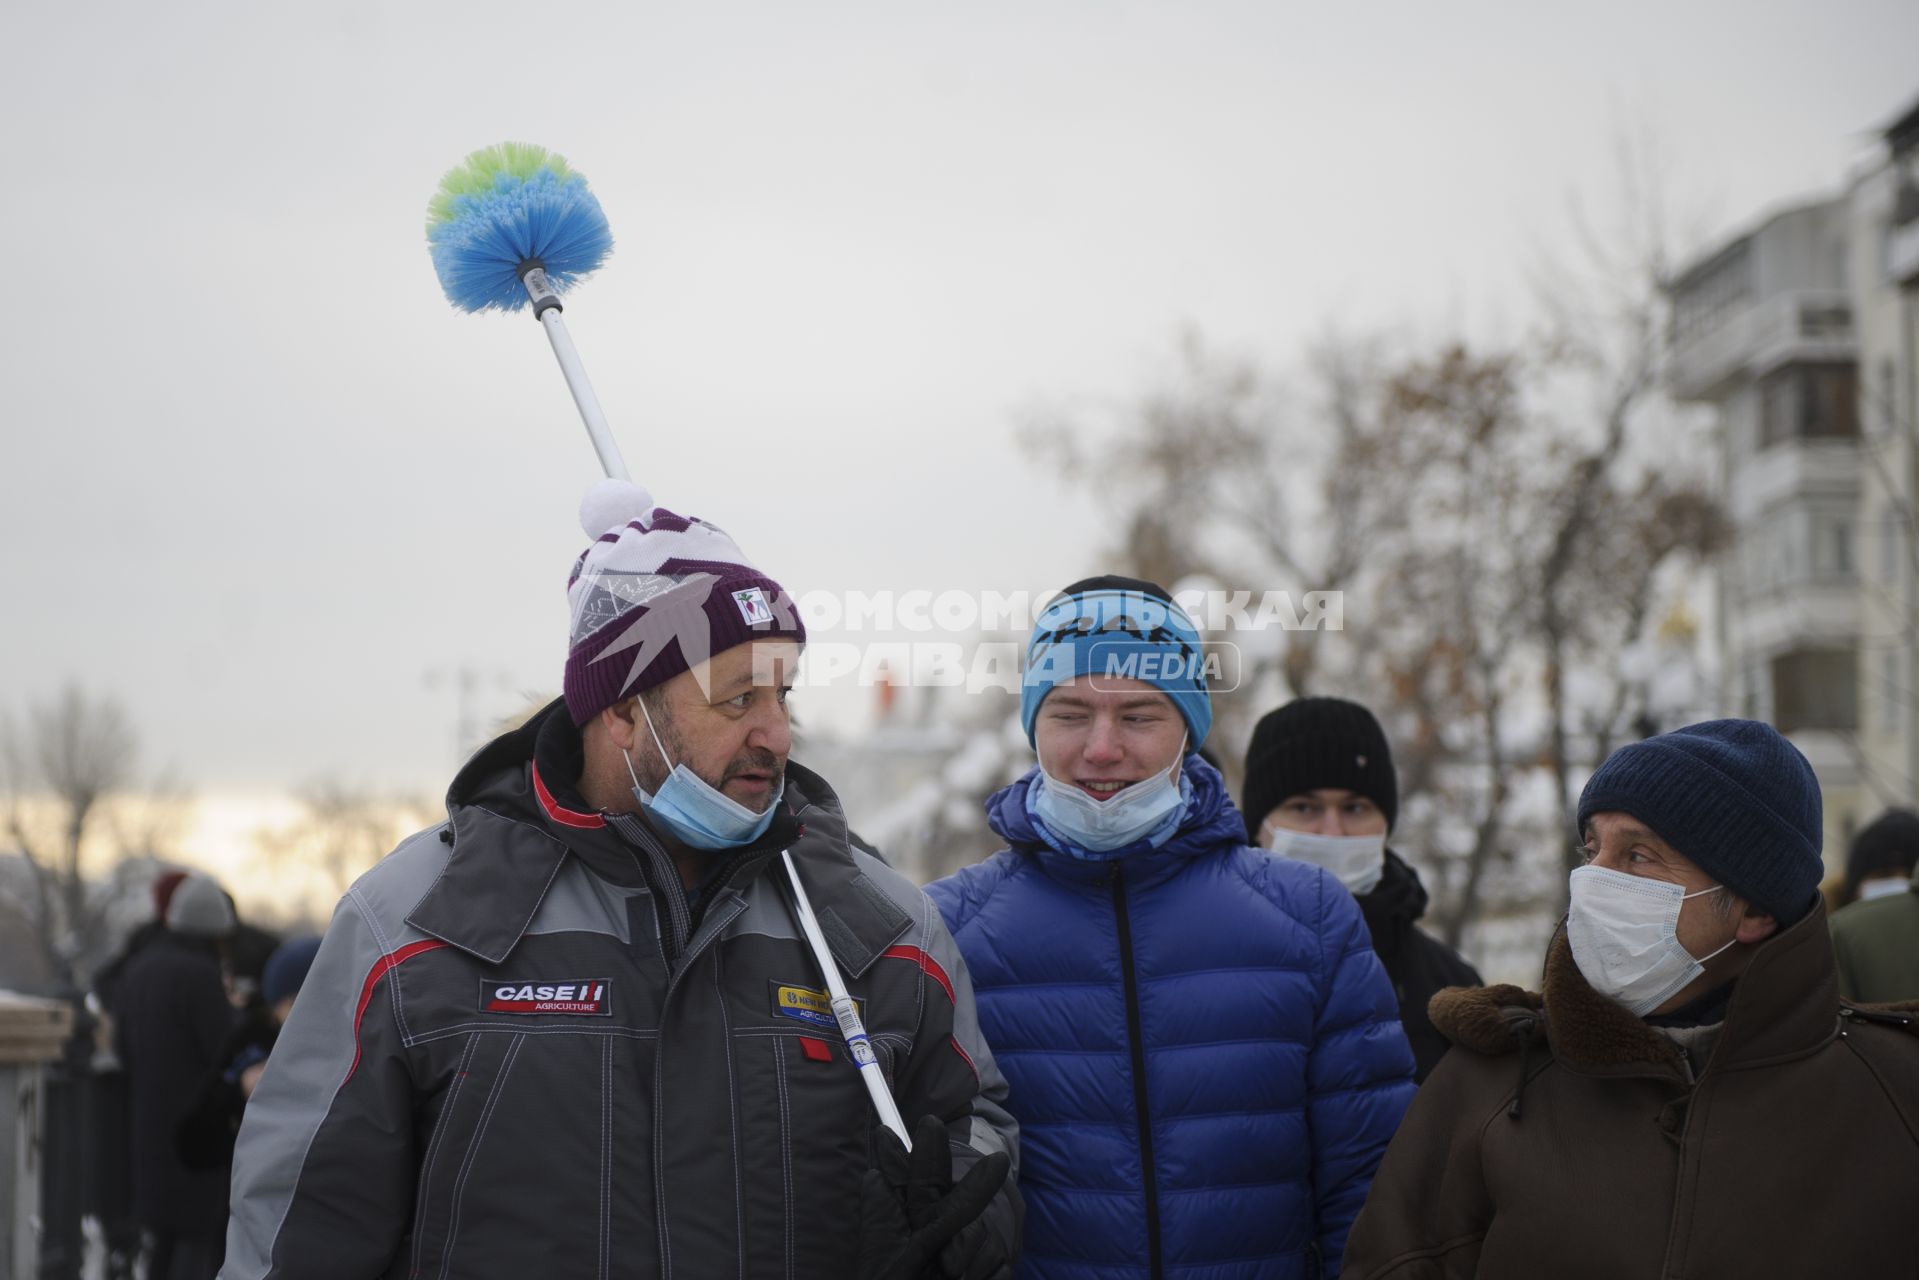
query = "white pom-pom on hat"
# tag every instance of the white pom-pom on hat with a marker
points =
(611, 504)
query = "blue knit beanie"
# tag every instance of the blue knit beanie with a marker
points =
(287, 967)
(1731, 795)
(1120, 628)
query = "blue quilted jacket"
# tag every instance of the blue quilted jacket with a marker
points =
(1203, 1050)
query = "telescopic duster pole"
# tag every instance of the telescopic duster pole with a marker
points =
(546, 309)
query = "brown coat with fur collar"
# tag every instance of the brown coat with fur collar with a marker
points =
(1565, 1138)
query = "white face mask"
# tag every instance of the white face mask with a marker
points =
(1092, 827)
(1624, 932)
(1881, 888)
(1358, 861)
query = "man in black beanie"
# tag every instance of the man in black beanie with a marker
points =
(1320, 787)
(1689, 1095)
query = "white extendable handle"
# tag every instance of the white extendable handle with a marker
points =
(589, 404)
(546, 305)
(845, 1010)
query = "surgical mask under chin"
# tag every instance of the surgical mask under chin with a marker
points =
(1624, 932)
(695, 813)
(1357, 861)
(1092, 827)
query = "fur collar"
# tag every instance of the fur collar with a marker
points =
(1489, 1020)
(1786, 1004)
(1583, 1028)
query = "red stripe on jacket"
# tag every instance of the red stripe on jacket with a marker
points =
(927, 964)
(931, 968)
(565, 817)
(391, 960)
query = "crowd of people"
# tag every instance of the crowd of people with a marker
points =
(617, 1014)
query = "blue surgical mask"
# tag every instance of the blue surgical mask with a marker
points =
(697, 814)
(1092, 827)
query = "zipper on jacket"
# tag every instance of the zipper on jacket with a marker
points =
(1136, 1042)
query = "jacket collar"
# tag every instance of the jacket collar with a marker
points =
(512, 829)
(1395, 903)
(1786, 1004)
(1211, 825)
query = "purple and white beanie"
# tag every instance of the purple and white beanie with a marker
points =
(657, 594)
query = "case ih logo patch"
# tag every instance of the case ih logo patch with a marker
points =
(569, 995)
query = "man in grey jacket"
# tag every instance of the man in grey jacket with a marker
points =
(575, 1030)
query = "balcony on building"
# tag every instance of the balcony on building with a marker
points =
(1754, 336)
(1815, 689)
(1774, 296)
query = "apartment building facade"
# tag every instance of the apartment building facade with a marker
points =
(1800, 334)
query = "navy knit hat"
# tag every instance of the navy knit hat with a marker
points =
(1731, 795)
(1317, 742)
(1122, 628)
(287, 967)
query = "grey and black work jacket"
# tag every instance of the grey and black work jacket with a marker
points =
(524, 1050)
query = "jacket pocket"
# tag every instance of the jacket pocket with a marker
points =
(510, 1177)
(806, 1130)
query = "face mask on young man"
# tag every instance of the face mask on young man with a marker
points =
(1127, 816)
(1883, 888)
(1358, 862)
(695, 813)
(1624, 931)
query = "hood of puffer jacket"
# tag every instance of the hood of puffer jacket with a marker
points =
(1210, 825)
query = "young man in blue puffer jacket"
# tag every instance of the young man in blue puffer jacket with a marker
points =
(1204, 1053)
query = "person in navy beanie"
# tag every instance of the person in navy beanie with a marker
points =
(1203, 1052)
(1689, 1093)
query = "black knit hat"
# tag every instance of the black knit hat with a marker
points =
(1734, 797)
(1889, 843)
(1317, 742)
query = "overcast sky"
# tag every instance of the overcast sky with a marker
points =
(258, 478)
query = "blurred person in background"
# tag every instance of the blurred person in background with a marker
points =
(106, 983)
(1877, 937)
(1883, 856)
(1689, 1095)
(245, 955)
(1203, 1050)
(206, 1133)
(109, 1195)
(1320, 787)
(173, 1020)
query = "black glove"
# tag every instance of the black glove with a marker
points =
(910, 1208)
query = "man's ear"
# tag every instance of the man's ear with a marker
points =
(1756, 926)
(621, 722)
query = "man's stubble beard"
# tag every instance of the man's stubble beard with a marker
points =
(654, 771)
